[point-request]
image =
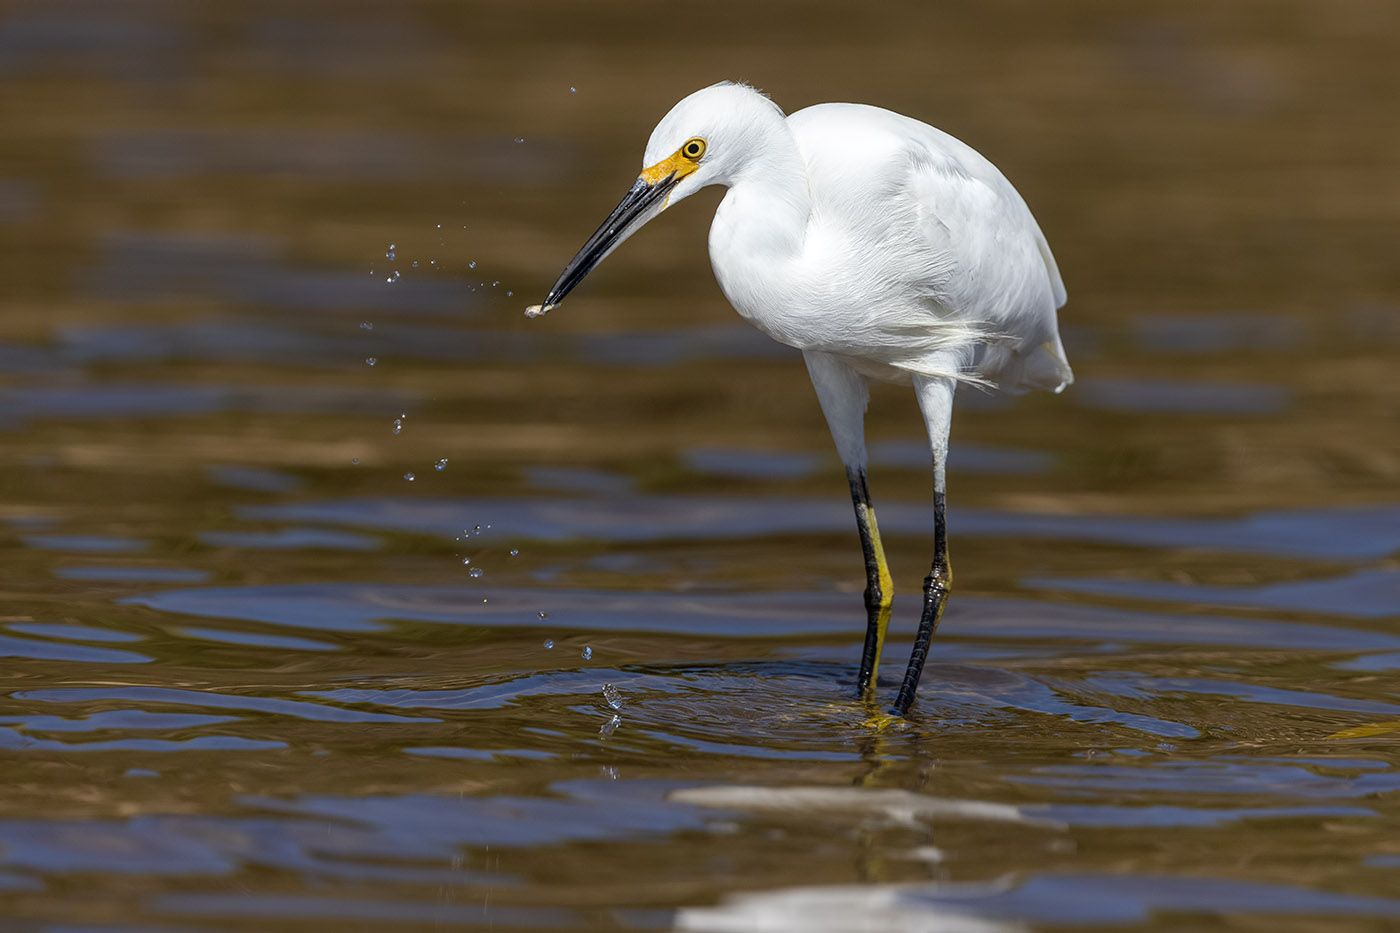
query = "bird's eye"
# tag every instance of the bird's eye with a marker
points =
(693, 148)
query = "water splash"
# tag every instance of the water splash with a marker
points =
(609, 727)
(612, 696)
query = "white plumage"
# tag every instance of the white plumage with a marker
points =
(857, 231)
(882, 248)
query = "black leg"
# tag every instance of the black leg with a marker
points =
(936, 588)
(879, 590)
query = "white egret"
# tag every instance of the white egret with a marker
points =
(880, 247)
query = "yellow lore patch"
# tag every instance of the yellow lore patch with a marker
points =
(677, 164)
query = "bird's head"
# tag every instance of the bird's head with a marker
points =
(707, 139)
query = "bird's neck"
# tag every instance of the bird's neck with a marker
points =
(764, 216)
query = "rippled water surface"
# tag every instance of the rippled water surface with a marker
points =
(595, 671)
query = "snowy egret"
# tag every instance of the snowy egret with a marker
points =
(880, 247)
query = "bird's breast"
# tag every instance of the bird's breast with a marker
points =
(767, 271)
(751, 272)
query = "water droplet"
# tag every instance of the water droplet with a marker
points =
(472, 264)
(519, 139)
(390, 252)
(371, 360)
(495, 283)
(609, 727)
(410, 477)
(573, 90)
(398, 426)
(366, 325)
(439, 226)
(508, 294)
(613, 696)
(588, 652)
(355, 461)
(476, 573)
(393, 277)
(484, 600)
(476, 529)
(415, 264)
(543, 615)
(549, 644)
(610, 772)
(440, 465)
(515, 552)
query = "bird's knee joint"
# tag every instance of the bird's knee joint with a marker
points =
(878, 598)
(938, 584)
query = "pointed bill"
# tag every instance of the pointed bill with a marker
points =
(643, 201)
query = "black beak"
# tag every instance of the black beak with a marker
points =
(621, 223)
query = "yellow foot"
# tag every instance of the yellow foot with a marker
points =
(881, 721)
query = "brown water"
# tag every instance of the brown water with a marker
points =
(250, 683)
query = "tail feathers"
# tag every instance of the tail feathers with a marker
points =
(1044, 367)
